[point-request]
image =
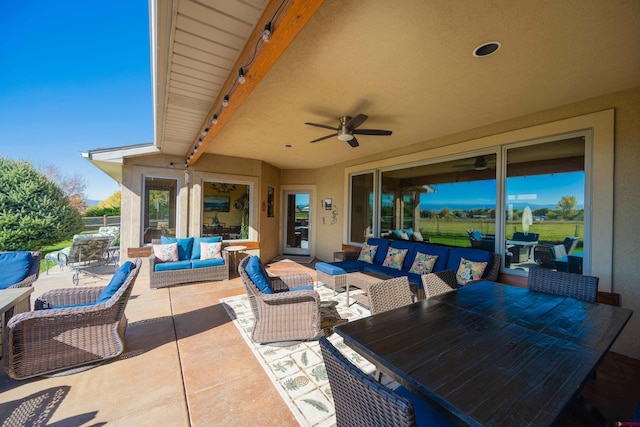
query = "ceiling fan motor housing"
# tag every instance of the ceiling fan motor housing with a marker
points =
(343, 133)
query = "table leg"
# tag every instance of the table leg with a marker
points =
(347, 291)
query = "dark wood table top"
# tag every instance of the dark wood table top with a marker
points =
(491, 354)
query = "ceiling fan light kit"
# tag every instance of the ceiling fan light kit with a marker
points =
(347, 129)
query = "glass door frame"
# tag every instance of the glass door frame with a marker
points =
(292, 190)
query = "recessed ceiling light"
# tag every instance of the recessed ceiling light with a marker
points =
(486, 49)
(288, 145)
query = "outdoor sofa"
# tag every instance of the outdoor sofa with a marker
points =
(188, 267)
(448, 258)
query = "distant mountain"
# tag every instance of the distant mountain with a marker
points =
(90, 202)
(469, 206)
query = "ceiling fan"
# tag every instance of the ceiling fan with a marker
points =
(346, 130)
(480, 164)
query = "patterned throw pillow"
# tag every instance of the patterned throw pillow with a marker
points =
(469, 271)
(210, 250)
(394, 258)
(367, 253)
(423, 264)
(417, 237)
(166, 253)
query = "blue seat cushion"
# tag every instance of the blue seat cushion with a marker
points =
(14, 267)
(471, 254)
(441, 251)
(301, 288)
(66, 306)
(425, 414)
(258, 275)
(341, 267)
(174, 265)
(381, 252)
(195, 251)
(117, 280)
(185, 246)
(201, 263)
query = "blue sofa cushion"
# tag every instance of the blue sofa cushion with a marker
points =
(14, 267)
(471, 254)
(65, 306)
(185, 246)
(201, 263)
(411, 252)
(301, 288)
(441, 251)
(409, 232)
(258, 275)
(341, 267)
(118, 278)
(416, 279)
(175, 265)
(195, 251)
(381, 253)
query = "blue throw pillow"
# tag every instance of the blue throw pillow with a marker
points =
(257, 273)
(117, 280)
(185, 246)
(14, 267)
(195, 251)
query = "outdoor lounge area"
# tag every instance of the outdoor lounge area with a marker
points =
(186, 364)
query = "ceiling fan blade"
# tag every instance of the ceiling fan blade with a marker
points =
(323, 138)
(353, 142)
(356, 121)
(321, 126)
(372, 132)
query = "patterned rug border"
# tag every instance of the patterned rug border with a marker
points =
(298, 371)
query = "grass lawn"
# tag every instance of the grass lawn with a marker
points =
(52, 248)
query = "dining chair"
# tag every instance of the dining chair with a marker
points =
(389, 294)
(361, 401)
(439, 283)
(581, 287)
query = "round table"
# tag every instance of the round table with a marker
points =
(233, 250)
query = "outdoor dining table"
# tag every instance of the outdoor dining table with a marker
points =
(491, 354)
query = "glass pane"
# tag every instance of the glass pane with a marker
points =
(443, 201)
(159, 208)
(545, 204)
(226, 209)
(361, 226)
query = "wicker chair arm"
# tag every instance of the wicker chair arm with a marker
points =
(286, 282)
(68, 296)
(494, 268)
(59, 319)
(291, 297)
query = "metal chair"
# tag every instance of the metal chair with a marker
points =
(389, 294)
(439, 283)
(86, 251)
(581, 287)
(361, 401)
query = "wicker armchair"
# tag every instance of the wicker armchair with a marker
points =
(439, 283)
(361, 401)
(389, 294)
(581, 287)
(80, 333)
(285, 315)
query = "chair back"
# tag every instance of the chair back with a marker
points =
(581, 287)
(570, 244)
(439, 283)
(89, 248)
(360, 400)
(389, 294)
(112, 230)
(252, 290)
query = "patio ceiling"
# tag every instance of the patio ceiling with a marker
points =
(407, 65)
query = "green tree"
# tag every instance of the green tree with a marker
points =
(565, 207)
(34, 212)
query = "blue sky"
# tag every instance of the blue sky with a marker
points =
(75, 76)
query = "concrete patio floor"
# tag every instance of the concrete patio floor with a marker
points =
(186, 364)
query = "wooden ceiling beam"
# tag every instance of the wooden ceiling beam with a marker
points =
(284, 28)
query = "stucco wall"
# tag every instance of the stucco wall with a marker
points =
(269, 230)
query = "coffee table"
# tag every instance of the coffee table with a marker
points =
(362, 280)
(13, 301)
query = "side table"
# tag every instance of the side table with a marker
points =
(233, 250)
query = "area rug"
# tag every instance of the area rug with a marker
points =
(297, 371)
(295, 258)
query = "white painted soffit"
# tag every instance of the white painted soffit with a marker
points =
(110, 160)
